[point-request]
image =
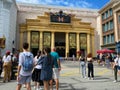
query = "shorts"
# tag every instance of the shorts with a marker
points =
(24, 79)
(55, 73)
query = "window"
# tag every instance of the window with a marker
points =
(103, 27)
(106, 14)
(119, 19)
(108, 39)
(104, 40)
(111, 24)
(103, 16)
(112, 38)
(110, 12)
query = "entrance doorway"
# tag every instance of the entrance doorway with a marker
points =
(60, 43)
(72, 52)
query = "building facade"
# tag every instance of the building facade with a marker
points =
(109, 16)
(8, 17)
(68, 34)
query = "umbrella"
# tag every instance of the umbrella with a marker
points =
(105, 51)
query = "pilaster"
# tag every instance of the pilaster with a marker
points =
(21, 40)
(67, 45)
(93, 45)
(115, 27)
(41, 41)
(28, 39)
(88, 43)
(53, 40)
(78, 44)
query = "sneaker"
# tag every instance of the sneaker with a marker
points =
(34, 87)
(37, 88)
(24, 86)
(115, 81)
(40, 88)
(88, 78)
(92, 78)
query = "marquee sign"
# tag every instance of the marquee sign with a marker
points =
(60, 17)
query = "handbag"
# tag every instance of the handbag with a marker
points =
(5, 64)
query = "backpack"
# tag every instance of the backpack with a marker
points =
(28, 63)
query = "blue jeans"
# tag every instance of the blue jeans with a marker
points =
(83, 68)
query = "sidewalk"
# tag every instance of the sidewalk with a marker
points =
(70, 79)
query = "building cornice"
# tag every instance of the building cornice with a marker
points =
(23, 7)
(111, 4)
(108, 5)
(115, 6)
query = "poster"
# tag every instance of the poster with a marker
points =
(83, 41)
(34, 39)
(72, 40)
(46, 39)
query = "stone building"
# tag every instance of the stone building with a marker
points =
(69, 37)
(110, 24)
(8, 18)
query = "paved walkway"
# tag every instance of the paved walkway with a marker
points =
(70, 79)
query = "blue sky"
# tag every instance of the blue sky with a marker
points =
(93, 4)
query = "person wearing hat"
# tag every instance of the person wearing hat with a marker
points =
(7, 66)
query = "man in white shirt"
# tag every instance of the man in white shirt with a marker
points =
(24, 76)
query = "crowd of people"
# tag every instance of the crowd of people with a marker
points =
(44, 68)
(110, 60)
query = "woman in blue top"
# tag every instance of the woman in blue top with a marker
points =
(47, 65)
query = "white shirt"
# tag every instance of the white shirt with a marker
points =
(117, 61)
(36, 60)
(6, 58)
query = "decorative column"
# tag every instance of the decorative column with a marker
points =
(41, 41)
(78, 45)
(88, 43)
(21, 40)
(52, 40)
(115, 27)
(93, 45)
(29, 39)
(67, 45)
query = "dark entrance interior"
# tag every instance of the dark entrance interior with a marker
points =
(72, 51)
(34, 51)
(82, 52)
(60, 43)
